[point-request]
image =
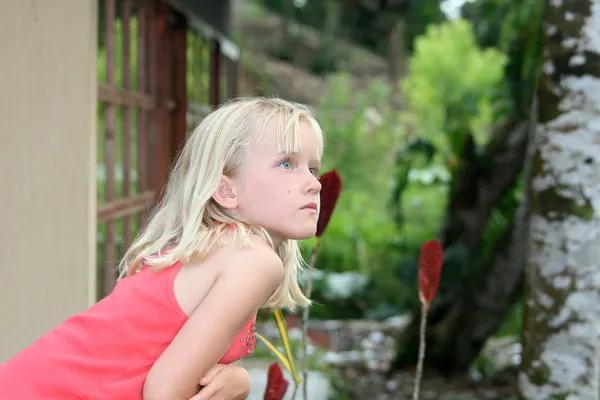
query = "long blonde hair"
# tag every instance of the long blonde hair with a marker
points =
(188, 222)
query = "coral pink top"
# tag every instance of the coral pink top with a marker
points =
(106, 351)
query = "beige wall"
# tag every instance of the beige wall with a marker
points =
(47, 165)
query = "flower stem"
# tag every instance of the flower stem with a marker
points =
(419, 373)
(304, 322)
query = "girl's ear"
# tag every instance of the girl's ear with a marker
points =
(225, 194)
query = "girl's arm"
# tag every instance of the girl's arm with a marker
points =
(249, 277)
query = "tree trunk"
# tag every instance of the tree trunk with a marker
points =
(561, 325)
(461, 321)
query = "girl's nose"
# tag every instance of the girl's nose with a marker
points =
(314, 185)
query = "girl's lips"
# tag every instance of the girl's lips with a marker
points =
(310, 206)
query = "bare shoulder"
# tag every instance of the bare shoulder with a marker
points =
(258, 260)
(229, 262)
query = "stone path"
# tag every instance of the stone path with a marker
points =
(362, 350)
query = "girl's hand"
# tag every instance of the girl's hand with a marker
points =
(224, 382)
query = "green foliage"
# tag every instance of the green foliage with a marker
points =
(365, 238)
(326, 61)
(308, 12)
(501, 218)
(512, 324)
(450, 91)
(395, 190)
(515, 27)
(362, 24)
(450, 86)
(361, 133)
(420, 15)
(362, 136)
(197, 77)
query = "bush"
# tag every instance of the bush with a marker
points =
(393, 199)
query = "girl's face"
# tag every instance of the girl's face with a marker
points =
(280, 192)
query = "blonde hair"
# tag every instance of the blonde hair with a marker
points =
(188, 222)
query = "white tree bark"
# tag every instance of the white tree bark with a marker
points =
(561, 326)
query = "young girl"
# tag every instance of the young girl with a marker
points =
(219, 246)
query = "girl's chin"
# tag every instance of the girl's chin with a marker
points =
(296, 233)
(305, 234)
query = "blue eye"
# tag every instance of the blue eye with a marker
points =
(314, 171)
(286, 164)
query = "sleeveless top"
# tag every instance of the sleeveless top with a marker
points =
(106, 351)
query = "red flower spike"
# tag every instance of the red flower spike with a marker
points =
(430, 269)
(277, 385)
(330, 192)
